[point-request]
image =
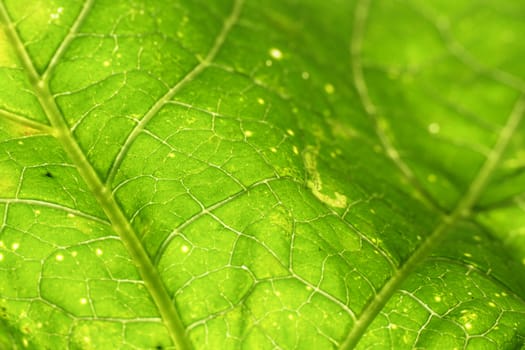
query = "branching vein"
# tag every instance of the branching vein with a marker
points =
(463, 207)
(201, 66)
(356, 46)
(461, 211)
(67, 40)
(22, 120)
(40, 203)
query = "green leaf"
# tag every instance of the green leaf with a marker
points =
(232, 174)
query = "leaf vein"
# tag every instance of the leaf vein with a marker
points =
(36, 202)
(197, 70)
(119, 221)
(22, 120)
(59, 53)
(463, 207)
(356, 46)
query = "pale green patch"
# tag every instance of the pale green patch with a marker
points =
(314, 182)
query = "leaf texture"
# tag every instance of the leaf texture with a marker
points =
(291, 175)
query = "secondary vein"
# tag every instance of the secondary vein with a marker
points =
(201, 66)
(356, 46)
(36, 202)
(22, 120)
(464, 56)
(67, 40)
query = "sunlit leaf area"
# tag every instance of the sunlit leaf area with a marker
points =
(278, 174)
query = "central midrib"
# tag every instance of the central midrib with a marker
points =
(102, 193)
(119, 222)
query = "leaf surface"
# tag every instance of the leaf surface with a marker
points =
(313, 174)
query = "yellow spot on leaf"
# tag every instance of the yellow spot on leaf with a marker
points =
(433, 128)
(276, 53)
(467, 318)
(329, 88)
